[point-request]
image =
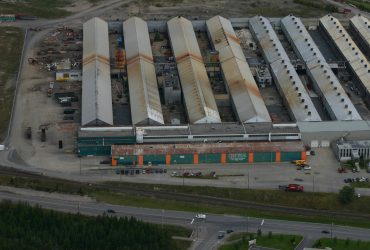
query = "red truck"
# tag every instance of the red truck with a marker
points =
(292, 188)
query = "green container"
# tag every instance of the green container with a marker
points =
(97, 150)
(127, 160)
(264, 156)
(290, 156)
(155, 159)
(237, 157)
(209, 158)
(182, 159)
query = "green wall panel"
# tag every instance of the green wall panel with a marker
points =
(127, 160)
(237, 157)
(155, 159)
(182, 159)
(209, 158)
(290, 156)
(97, 150)
(264, 156)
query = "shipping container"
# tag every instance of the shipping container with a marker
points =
(237, 157)
(290, 156)
(264, 156)
(182, 159)
(209, 158)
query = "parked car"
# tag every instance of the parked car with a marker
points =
(111, 211)
(325, 232)
(229, 231)
(201, 216)
(213, 174)
(307, 167)
(174, 174)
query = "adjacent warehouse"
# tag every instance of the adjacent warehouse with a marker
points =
(288, 83)
(96, 82)
(350, 150)
(197, 92)
(246, 97)
(355, 58)
(144, 96)
(205, 153)
(360, 28)
(325, 83)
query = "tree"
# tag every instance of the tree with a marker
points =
(346, 195)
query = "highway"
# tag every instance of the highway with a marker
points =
(205, 232)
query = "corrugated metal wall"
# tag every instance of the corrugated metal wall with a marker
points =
(247, 157)
(97, 150)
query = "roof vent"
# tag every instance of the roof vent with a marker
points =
(340, 31)
(342, 100)
(346, 106)
(356, 53)
(288, 71)
(302, 100)
(338, 94)
(293, 82)
(306, 106)
(314, 53)
(299, 94)
(296, 88)
(283, 61)
(306, 39)
(349, 112)
(335, 88)
(290, 77)
(322, 66)
(325, 71)
(285, 66)
(318, 61)
(309, 113)
(300, 31)
(311, 49)
(278, 54)
(331, 82)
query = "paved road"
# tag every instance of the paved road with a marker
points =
(206, 238)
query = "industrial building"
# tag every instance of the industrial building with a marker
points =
(197, 92)
(286, 78)
(359, 26)
(144, 96)
(96, 81)
(346, 46)
(183, 57)
(325, 83)
(246, 97)
(349, 150)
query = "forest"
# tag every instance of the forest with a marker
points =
(26, 227)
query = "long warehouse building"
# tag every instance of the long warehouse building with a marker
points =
(246, 97)
(325, 83)
(349, 50)
(288, 83)
(144, 95)
(360, 27)
(199, 99)
(96, 82)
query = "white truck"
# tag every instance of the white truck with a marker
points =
(2, 147)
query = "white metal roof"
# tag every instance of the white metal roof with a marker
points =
(286, 78)
(199, 99)
(353, 55)
(144, 95)
(137, 41)
(362, 26)
(96, 82)
(325, 82)
(244, 92)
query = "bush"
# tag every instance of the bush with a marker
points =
(346, 195)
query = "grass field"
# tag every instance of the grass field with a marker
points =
(132, 199)
(362, 5)
(337, 244)
(323, 201)
(278, 241)
(11, 42)
(360, 184)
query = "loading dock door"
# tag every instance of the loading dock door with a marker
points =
(325, 144)
(314, 144)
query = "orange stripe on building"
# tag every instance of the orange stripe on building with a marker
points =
(168, 159)
(223, 157)
(278, 156)
(114, 162)
(140, 160)
(250, 157)
(303, 155)
(196, 159)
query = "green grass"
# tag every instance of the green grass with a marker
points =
(131, 199)
(278, 241)
(11, 43)
(337, 244)
(362, 5)
(322, 201)
(360, 184)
